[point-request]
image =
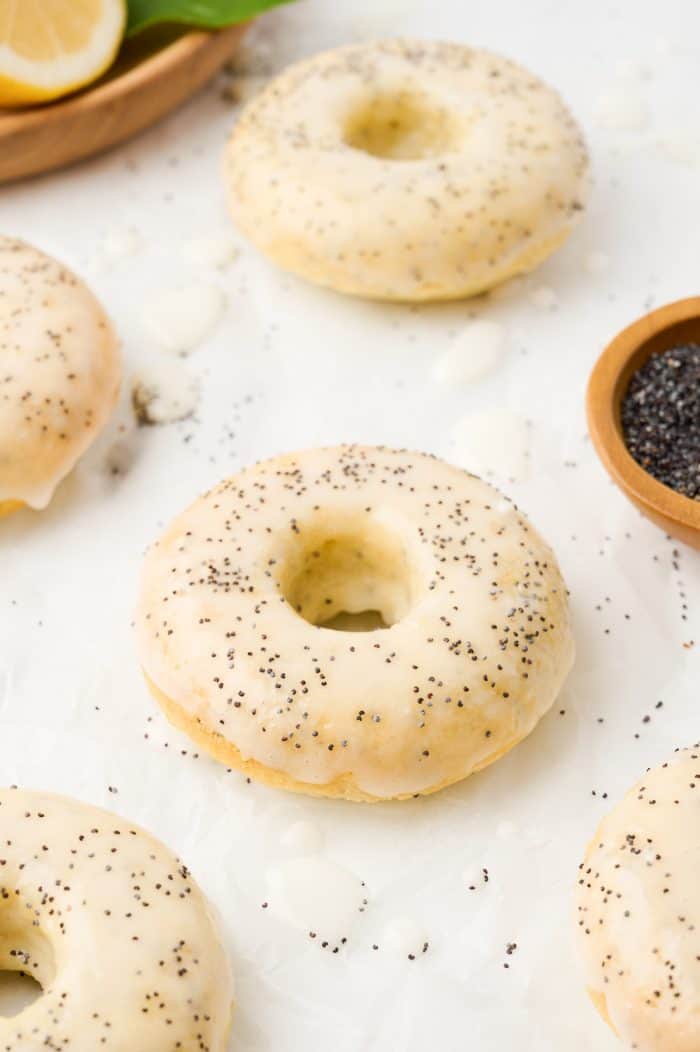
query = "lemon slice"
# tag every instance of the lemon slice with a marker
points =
(51, 47)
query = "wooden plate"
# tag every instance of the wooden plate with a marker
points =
(153, 74)
(664, 328)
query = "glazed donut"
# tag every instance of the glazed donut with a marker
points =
(242, 607)
(60, 373)
(406, 170)
(637, 908)
(113, 928)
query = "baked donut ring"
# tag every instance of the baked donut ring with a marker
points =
(638, 910)
(240, 601)
(113, 928)
(406, 170)
(60, 373)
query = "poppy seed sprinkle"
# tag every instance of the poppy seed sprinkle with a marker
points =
(661, 418)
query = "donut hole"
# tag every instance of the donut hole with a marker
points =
(363, 621)
(349, 576)
(402, 126)
(18, 991)
(27, 965)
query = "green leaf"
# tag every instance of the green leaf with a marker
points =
(207, 14)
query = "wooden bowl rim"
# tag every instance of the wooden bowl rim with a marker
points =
(153, 65)
(606, 386)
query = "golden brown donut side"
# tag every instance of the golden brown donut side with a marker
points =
(7, 507)
(342, 788)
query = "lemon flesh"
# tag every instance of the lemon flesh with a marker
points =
(51, 47)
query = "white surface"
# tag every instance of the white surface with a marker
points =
(290, 366)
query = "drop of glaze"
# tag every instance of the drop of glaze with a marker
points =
(504, 507)
(493, 442)
(304, 838)
(181, 319)
(404, 937)
(214, 250)
(477, 351)
(316, 895)
(164, 391)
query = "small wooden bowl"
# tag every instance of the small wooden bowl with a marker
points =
(660, 330)
(154, 73)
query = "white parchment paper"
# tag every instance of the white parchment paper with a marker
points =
(291, 366)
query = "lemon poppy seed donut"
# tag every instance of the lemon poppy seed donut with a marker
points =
(59, 373)
(243, 635)
(406, 170)
(113, 928)
(638, 910)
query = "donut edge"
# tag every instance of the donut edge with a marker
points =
(106, 399)
(291, 256)
(341, 788)
(8, 507)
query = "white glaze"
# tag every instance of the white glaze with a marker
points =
(317, 896)
(409, 170)
(389, 712)
(404, 937)
(494, 442)
(477, 351)
(638, 910)
(103, 916)
(503, 506)
(210, 250)
(303, 838)
(164, 390)
(180, 319)
(60, 372)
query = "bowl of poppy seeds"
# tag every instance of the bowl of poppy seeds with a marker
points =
(643, 407)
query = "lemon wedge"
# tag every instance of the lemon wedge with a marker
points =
(51, 47)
